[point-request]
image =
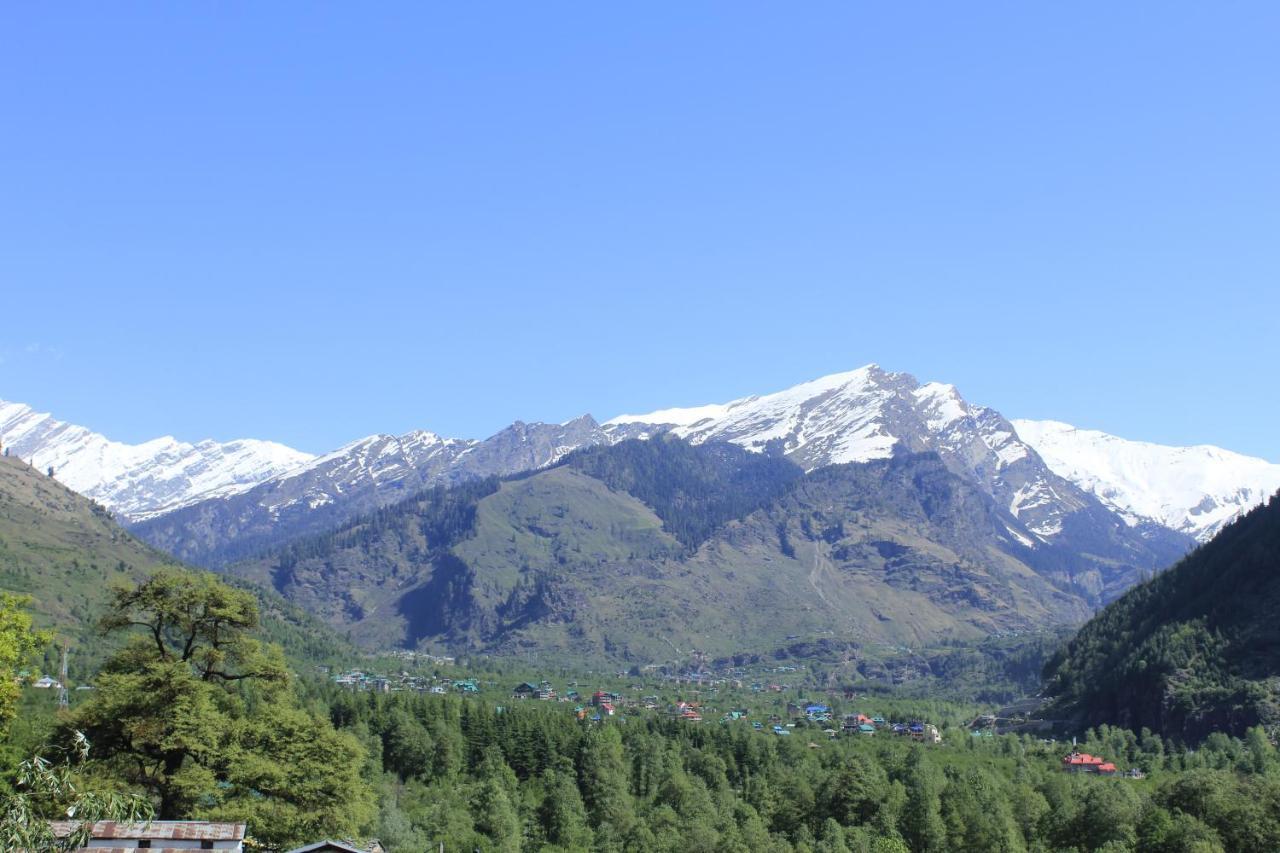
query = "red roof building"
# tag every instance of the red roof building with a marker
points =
(1083, 762)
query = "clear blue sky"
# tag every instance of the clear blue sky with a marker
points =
(310, 222)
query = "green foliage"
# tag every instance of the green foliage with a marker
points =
(62, 550)
(199, 714)
(694, 490)
(562, 814)
(48, 791)
(18, 643)
(1192, 651)
(66, 553)
(540, 780)
(922, 825)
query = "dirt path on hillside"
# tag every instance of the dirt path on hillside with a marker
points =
(819, 563)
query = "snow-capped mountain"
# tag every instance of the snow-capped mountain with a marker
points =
(1195, 490)
(212, 503)
(870, 413)
(858, 416)
(141, 480)
(398, 465)
(357, 478)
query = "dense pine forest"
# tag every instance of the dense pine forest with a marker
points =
(532, 777)
(1192, 651)
(197, 717)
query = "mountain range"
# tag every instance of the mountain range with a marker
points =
(863, 506)
(644, 551)
(845, 418)
(849, 417)
(1195, 490)
(137, 481)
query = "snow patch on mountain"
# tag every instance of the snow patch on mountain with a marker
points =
(141, 480)
(941, 404)
(1195, 490)
(828, 421)
(870, 413)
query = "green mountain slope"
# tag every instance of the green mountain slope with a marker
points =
(66, 552)
(62, 549)
(647, 550)
(1194, 650)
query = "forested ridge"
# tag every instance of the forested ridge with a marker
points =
(67, 553)
(694, 490)
(1194, 650)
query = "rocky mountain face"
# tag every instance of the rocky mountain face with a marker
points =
(137, 481)
(873, 414)
(634, 552)
(1194, 490)
(1042, 471)
(852, 417)
(367, 474)
(870, 414)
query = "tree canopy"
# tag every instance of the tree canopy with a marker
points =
(201, 715)
(18, 643)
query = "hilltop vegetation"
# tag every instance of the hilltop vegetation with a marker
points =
(63, 549)
(67, 553)
(1192, 651)
(693, 490)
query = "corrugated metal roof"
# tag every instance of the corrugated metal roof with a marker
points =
(328, 845)
(186, 830)
(131, 849)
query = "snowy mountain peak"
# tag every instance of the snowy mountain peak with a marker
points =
(942, 404)
(140, 480)
(826, 421)
(1041, 472)
(1195, 490)
(871, 413)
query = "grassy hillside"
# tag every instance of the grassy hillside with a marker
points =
(648, 551)
(62, 549)
(1194, 650)
(66, 552)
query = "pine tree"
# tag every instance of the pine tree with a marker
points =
(602, 774)
(921, 823)
(562, 814)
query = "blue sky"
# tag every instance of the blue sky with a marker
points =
(312, 222)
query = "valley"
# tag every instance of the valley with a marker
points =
(864, 508)
(651, 428)
(895, 609)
